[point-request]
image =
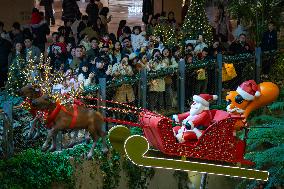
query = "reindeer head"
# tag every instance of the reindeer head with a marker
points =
(43, 103)
(30, 91)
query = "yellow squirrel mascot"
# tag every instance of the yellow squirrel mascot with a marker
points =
(250, 96)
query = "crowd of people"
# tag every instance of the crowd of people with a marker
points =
(84, 50)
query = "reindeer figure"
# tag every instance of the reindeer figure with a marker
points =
(31, 92)
(70, 117)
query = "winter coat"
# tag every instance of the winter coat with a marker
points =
(93, 12)
(40, 31)
(147, 7)
(137, 41)
(70, 10)
(125, 92)
(33, 53)
(269, 41)
(5, 48)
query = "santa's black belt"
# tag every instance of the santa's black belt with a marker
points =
(201, 127)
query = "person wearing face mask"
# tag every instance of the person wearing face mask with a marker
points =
(240, 46)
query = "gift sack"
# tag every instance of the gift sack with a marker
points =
(228, 72)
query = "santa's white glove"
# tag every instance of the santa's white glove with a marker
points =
(182, 129)
(175, 118)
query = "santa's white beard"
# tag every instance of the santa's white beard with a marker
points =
(196, 110)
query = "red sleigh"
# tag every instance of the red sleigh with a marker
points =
(217, 143)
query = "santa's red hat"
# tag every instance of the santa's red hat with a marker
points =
(248, 90)
(204, 99)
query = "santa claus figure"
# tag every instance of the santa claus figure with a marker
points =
(196, 121)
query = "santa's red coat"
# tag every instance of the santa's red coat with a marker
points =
(202, 119)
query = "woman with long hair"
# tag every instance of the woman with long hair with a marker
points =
(105, 20)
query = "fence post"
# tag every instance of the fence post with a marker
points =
(8, 144)
(219, 75)
(258, 64)
(181, 92)
(102, 95)
(143, 88)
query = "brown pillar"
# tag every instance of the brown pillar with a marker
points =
(15, 11)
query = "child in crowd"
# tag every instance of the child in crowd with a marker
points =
(137, 38)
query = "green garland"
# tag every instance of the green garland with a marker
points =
(208, 64)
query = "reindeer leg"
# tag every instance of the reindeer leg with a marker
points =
(73, 140)
(32, 128)
(91, 152)
(87, 137)
(48, 138)
(54, 136)
(104, 144)
(37, 130)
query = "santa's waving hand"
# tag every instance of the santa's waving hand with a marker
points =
(194, 122)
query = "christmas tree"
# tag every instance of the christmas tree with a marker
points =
(16, 76)
(167, 32)
(196, 23)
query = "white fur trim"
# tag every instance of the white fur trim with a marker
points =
(215, 97)
(244, 94)
(180, 137)
(175, 117)
(257, 94)
(206, 108)
(197, 132)
(198, 99)
(191, 124)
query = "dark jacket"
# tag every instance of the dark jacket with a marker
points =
(40, 32)
(70, 10)
(238, 48)
(46, 2)
(92, 54)
(93, 12)
(147, 7)
(5, 49)
(269, 41)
